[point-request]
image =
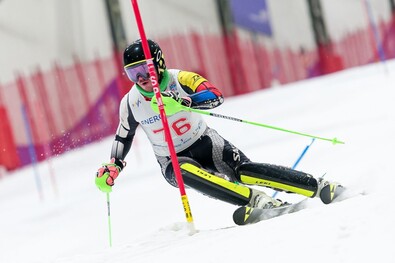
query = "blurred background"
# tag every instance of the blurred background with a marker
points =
(61, 73)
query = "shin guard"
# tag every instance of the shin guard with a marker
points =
(215, 186)
(278, 177)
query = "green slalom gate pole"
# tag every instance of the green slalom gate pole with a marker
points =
(171, 107)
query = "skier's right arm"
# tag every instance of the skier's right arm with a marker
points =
(203, 94)
(120, 148)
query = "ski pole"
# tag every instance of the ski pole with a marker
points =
(298, 160)
(109, 219)
(101, 183)
(161, 110)
(172, 106)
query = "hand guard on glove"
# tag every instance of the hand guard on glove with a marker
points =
(107, 174)
(185, 101)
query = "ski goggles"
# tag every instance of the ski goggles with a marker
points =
(134, 71)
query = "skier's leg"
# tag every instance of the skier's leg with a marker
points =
(219, 187)
(214, 186)
(286, 179)
(279, 178)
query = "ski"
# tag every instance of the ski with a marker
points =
(247, 215)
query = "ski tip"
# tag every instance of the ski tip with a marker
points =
(241, 215)
(331, 192)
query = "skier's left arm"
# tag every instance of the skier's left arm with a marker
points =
(203, 94)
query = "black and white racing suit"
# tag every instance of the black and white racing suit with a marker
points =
(191, 136)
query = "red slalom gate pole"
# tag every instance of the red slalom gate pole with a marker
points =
(169, 140)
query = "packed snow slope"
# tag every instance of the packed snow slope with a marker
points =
(148, 224)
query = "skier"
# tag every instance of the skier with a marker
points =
(209, 163)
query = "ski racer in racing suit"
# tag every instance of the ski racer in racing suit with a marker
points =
(209, 163)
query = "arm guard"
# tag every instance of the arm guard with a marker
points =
(204, 95)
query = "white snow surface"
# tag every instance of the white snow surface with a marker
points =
(147, 218)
